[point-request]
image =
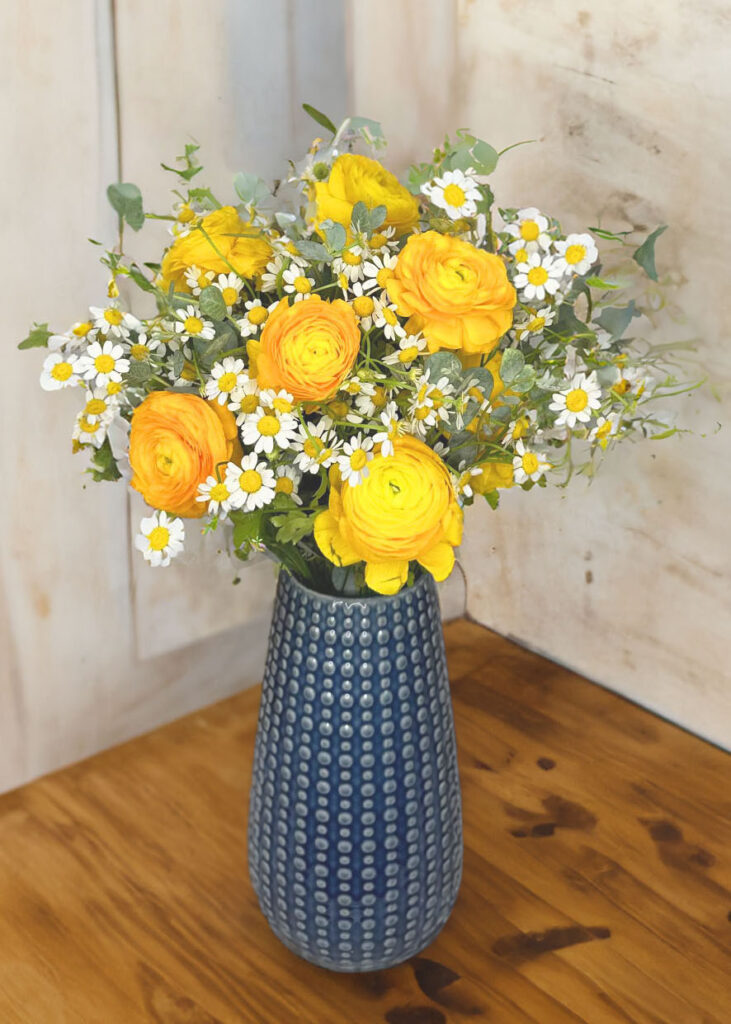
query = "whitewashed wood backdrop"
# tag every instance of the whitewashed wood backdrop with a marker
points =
(629, 104)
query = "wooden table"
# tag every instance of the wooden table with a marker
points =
(595, 889)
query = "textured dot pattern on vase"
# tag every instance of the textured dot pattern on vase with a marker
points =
(355, 829)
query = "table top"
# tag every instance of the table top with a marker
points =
(597, 870)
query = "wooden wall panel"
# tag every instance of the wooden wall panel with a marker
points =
(627, 581)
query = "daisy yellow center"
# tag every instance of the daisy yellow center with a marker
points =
(521, 256)
(158, 538)
(530, 463)
(104, 363)
(219, 492)
(87, 427)
(621, 387)
(437, 397)
(358, 459)
(203, 280)
(529, 231)
(604, 429)
(383, 276)
(363, 305)
(520, 427)
(250, 481)
(389, 316)
(227, 382)
(352, 259)
(138, 351)
(313, 447)
(62, 371)
(537, 324)
(538, 275)
(302, 285)
(193, 324)
(189, 371)
(454, 195)
(230, 295)
(257, 315)
(576, 400)
(81, 330)
(95, 407)
(282, 404)
(421, 414)
(339, 410)
(575, 254)
(114, 387)
(249, 403)
(113, 317)
(407, 355)
(380, 397)
(343, 282)
(268, 425)
(377, 241)
(284, 485)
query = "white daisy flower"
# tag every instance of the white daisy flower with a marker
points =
(363, 305)
(371, 405)
(91, 429)
(316, 445)
(190, 324)
(160, 538)
(353, 463)
(350, 264)
(256, 315)
(267, 427)
(576, 254)
(538, 277)
(296, 282)
(577, 403)
(464, 481)
(521, 426)
(230, 286)
(394, 428)
(533, 327)
(59, 371)
(216, 494)
(606, 428)
(456, 192)
(251, 483)
(632, 379)
(528, 465)
(244, 400)
(530, 231)
(355, 386)
(143, 346)
(103, 364)
(112, 320)
(197, 279)
(271, 276)
(385, 317)
(410, 348)
(226, 378)
(377, 270)
(287, 482)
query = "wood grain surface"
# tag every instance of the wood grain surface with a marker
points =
(596, 884)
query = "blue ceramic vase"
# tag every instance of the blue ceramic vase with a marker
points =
(355, 825)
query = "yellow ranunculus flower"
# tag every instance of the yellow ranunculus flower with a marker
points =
(405, 509)
(307, 348)
(492, 475)
(239, 246)
(353, 178)
(175, 442)
(459, 296)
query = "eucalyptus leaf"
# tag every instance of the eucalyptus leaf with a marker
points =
(443, 364)
(126, 199)
(478, 376)
(360, 217)
(335, 236)
(486, 157)
(511, 365)
(178, 362)
(567, 324)
(250, 188)
(212, 303)
(645, 254)
(312, 250)
(138, 373)
(524, 381)
(615, 319)
(322, 119)
(377, 217)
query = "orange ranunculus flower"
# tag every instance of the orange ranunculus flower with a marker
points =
(356, 178)
(458, 295)
(175, 442)
(406, 508)
(239, 246)
(307, 348)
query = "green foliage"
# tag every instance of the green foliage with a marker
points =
(367, 221)
(250, 189)
(443, 364)
(292, 526)
(322, 119)
(212, 303)
(139, 373)
(126, 199)
(189, 158)
(103, 464)
(493, 499)
(335, 235)
(616, 319)
(512, 365)
(37, 337)
(312, 250)
(645, 254)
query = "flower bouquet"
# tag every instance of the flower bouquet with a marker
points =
(330, 370)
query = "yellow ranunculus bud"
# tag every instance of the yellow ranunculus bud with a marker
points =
(406, 508)
(356, 178)
(492, 475)
(175, 442)
(230, 243)
(459, 295)
(307, 348)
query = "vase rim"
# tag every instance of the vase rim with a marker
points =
(423, 581)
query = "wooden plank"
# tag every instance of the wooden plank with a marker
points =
(125, 895)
